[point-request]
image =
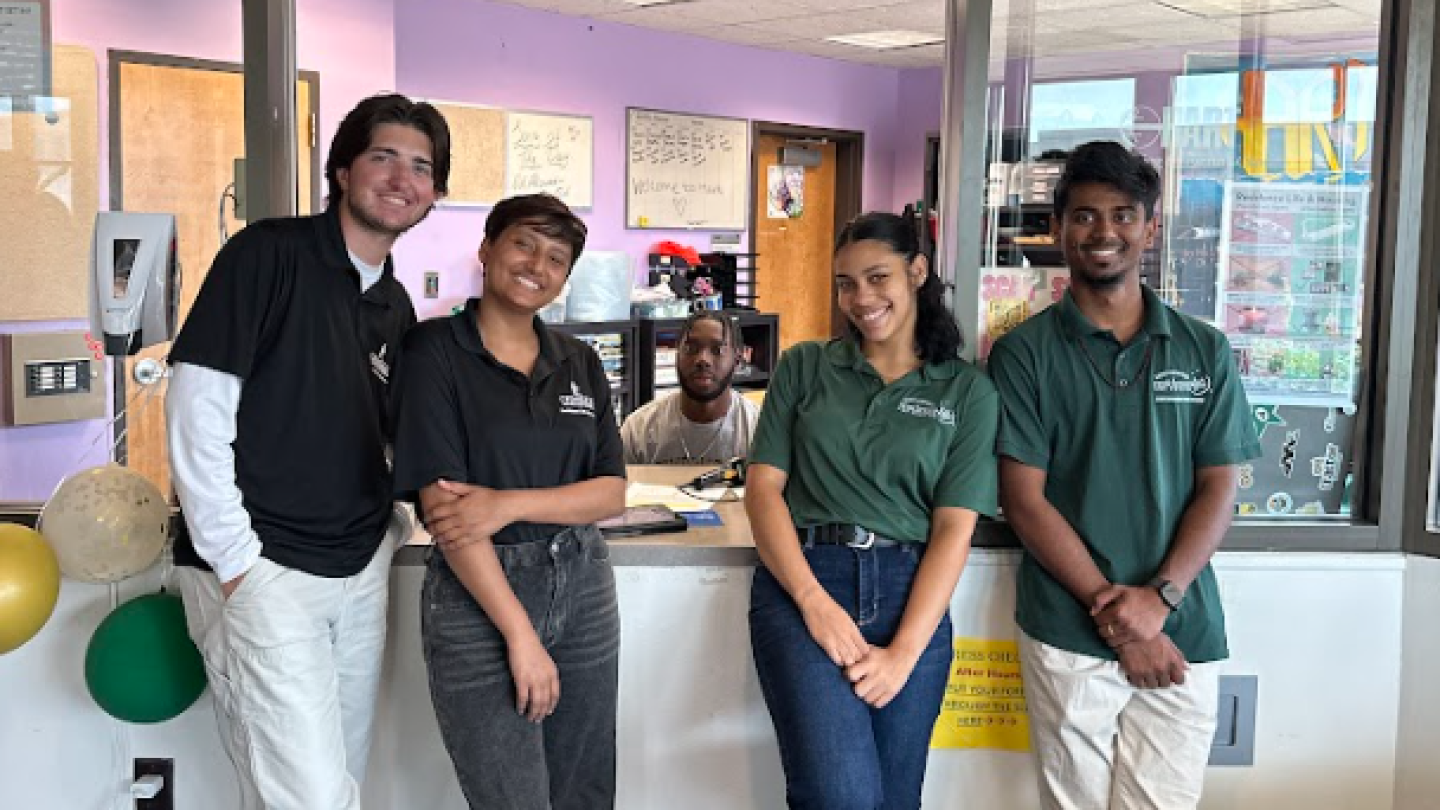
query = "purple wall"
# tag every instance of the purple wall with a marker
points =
(922, 93)
(508, 56)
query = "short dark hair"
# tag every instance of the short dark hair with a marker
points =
(543, 212)
(358, 129)
(728, 324)
(1112, 164)
(937, 335)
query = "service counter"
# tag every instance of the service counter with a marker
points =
(1317, 629)
(693, 729)
(727, 545)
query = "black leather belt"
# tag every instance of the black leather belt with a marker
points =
(845, 534)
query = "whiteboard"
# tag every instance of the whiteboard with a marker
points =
(551, 153)
(686, 171)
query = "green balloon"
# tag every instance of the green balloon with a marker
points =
(141, 665)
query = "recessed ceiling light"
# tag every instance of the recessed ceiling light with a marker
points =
(887, 40)
(649, 3)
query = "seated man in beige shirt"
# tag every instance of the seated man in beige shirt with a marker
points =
(706, 421)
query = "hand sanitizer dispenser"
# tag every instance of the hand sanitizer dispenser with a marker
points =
(134, 280)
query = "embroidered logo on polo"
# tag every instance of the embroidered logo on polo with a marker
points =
(378, 364)
(925, 409)
(1180, 386)
(577, 403)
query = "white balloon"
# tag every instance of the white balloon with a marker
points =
(106, 524)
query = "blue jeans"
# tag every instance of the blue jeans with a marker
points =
(838, 752)
(503, 761)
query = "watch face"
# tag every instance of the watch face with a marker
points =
(1171, 594)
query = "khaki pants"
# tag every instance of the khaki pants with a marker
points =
(1101, 743)
(294, 664)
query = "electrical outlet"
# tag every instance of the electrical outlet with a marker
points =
(432, 284)
(165, 768)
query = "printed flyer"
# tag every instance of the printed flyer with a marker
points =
(985, 699)
(1289, 297)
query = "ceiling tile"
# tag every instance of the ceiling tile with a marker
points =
(1369, 8)
(751, 34)
(1069, 28)
(918, 15)
(742, 11)
(1186, 36)
(1064, 22)
(1287, 23)
(819, 26)
(575, 8)
(1217, 8)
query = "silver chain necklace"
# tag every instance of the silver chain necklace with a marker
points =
(685, 446)
(714, 437)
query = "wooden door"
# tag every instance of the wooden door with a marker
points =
(793, 270)
(181, 129)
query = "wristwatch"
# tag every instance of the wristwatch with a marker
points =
(1169, 592)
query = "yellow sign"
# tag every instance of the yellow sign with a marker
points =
(985, 700)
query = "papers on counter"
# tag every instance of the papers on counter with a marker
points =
(637, 494)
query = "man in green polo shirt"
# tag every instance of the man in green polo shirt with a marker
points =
(1123, 423)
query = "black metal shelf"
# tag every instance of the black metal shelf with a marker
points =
(629, 332)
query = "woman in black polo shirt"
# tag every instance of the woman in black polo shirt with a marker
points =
(506, 436)
(873, 457)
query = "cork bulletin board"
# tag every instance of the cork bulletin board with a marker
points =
(49, 192)
(477, 153)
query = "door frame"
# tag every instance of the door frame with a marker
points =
(116, 125)
(849, 181)
(115, 157)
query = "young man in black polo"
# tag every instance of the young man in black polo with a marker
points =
(277, 432)
(1123, 424)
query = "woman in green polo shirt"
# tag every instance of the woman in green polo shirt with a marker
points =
(873, 457)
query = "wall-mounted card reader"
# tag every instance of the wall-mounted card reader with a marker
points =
(50, 377)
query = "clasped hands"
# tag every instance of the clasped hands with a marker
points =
(876, 673)
(1132, 620)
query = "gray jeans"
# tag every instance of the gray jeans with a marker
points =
(503, 761)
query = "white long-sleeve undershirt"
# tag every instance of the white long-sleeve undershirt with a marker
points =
(201, 410)
(201, 406)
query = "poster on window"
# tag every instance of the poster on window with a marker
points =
(1010, 295)
(1289, 289)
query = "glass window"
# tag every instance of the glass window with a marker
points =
(1264, 143)
(1063, 114)
(1303, 96)
(1204, 99)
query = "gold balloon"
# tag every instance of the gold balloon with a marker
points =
(106, 524)
(29, 585)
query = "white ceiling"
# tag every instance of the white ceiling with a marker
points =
(1055, 28)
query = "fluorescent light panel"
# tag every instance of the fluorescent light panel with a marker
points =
(650, 3)
(887, 40)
